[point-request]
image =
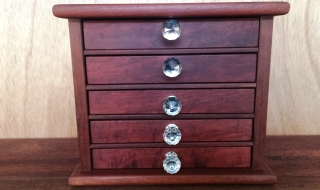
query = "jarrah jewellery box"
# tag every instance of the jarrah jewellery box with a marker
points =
(171, 93)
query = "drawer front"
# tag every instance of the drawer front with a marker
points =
(210, 157)
(144, 131)
(148, 69)
(146, 34)
(151, 101)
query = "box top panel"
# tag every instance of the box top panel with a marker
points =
(185, 10)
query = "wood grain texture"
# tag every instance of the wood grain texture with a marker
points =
(175, 10)
(156, 177)
(200, 157)
(47, 164)
(180, 145)
(262, 91)
(165, 117)
(151, 101)
(170, 86)
(36, 88)
(79, 80)
(294, 93)
(170, 51)
(146, 34)
(152, 130)
(148, 69)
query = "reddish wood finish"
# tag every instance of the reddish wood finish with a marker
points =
(146, 34)
(151, 101)
(164, 145)
(152, 130)
(170, 86)
(261, 107)
(148, 69)
(200, 157)
(170, 51)
(165, 117)
(226, 89)
(47, 164)
(79, 80)
(188, 176)
(187, 10)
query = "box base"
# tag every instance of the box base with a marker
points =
(183, 177)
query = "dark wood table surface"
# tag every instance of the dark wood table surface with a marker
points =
(47, 163)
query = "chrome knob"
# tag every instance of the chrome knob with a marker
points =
(171, 67)
(172, 134)
(171, 163)
(172, 105)
(171, 30)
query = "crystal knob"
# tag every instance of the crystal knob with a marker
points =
(172, 105)
(171, 29)
(172, 134)
(171, 67)
(171, 163)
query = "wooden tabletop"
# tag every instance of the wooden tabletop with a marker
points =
(47, 164)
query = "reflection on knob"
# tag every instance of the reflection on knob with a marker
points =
(172, 106)
(171, 163)
(171, 67)
(171, 29)
(172, 134)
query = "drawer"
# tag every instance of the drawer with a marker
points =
(210, 157)
(147, 34)
(148, 69)
(144, 131)
(151, 101)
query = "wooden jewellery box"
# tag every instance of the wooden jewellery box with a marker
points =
(171, 93)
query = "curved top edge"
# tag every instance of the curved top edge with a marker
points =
(185, 10)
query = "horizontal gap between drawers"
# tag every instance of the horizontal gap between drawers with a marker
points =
(169, 86)
(166, 117)
(164, 145)
(171, 51)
